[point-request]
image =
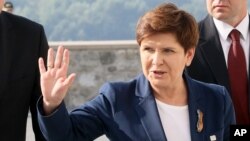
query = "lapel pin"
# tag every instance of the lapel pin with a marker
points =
(200, 121)
(212, 138)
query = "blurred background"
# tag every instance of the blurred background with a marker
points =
(74, 20)
(100, 35)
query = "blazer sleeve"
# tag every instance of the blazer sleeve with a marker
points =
(83, 123)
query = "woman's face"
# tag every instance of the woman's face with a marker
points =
(163, 60)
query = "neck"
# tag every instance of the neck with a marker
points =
(177, 95)
(237, 20)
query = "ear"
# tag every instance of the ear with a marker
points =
(190, 55)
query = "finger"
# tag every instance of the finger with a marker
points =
(59, 55)
(41, 65)
(65, 61)
(50, 59)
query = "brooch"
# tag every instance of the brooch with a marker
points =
(200, 121)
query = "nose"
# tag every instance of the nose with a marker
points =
(157, 59)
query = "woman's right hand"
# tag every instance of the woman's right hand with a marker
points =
(54, 81)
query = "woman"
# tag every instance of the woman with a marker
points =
(161, 104)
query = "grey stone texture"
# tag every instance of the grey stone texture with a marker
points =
(97, 62)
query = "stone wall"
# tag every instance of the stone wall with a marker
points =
(96, 62)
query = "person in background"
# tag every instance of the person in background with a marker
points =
(161, 104)
(8, 7)
(22, 42)
(216, 60)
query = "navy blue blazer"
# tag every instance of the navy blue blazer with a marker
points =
(127, 111)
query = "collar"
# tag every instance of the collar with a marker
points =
(224, 29)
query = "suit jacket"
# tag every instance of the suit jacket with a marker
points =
(209, 64)
(21, 43)
(127, 111)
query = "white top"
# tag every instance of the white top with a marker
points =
(175, 121)
(224, 30)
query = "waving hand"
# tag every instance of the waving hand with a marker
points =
(54, 81)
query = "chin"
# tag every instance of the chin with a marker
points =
(220, 16)
(158, 84)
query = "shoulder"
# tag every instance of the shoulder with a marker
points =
(203, 88)
(17, 21)
(118, 86)
(210, 86)
(122, 89)
(206, 89)
(206, 24)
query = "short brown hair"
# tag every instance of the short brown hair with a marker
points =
(167, 18)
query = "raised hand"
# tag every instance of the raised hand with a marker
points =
(54, 81)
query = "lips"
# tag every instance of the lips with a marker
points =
(158, 72)
(220, 6)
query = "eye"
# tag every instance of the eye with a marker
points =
(168, 50)
(148, 49)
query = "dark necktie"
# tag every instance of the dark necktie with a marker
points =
(238, 78)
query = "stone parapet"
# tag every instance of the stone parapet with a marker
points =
(97, 62)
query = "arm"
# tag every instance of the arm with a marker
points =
(83, 123)
(54, 81)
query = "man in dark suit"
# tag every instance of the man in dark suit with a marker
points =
(210, 63)
(22, 42)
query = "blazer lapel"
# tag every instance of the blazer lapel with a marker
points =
(147, 110)
(209, 40)
(195, 103)
(6, 42)
(148, 113)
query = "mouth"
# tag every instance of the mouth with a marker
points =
(158, 72)
(220, 6)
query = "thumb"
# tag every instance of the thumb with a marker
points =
(70, 79)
